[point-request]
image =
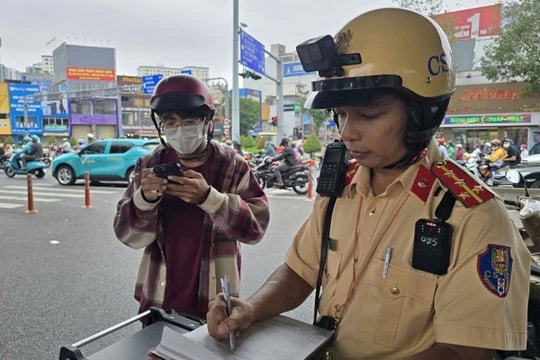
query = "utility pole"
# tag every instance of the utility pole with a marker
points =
(235, 121)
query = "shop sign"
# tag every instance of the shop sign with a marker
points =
(487, 119)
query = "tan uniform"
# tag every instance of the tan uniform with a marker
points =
(409, 310)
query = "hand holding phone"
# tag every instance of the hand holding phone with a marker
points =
(164, 170)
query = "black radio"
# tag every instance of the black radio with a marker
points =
(334, 165)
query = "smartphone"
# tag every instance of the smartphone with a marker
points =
(334, 165)
(164, 170)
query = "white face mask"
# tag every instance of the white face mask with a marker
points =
(187, 139)
(506, 146)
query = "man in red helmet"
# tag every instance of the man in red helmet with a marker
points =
(189, 225)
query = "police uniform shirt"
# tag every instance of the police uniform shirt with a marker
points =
(480, 302)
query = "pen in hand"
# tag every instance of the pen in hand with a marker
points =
(226, 289)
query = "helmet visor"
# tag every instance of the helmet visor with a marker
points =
(358, 91)
(176, 101)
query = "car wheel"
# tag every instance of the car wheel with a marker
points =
(65, 175)
(130, 174)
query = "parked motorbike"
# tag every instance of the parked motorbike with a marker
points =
(36, 167)
(296, 178)
(4, 159)
(526, 215)
(46, 160)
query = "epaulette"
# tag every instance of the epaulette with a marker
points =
(463, 185)
(351, 170)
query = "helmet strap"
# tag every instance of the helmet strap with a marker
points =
(153, 117)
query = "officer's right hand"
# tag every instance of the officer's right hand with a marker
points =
(219, 325)
(152, 187)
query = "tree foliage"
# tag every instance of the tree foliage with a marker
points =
(250, 114)
(320, 117)
(247, 141)
(312, 144)
(514, 55)
(427, 7)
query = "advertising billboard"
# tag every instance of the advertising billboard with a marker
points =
(471, 23)
(25, 109)
(92, 74)
(470, 31)
(5, 124)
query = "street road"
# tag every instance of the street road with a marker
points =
(64, 276)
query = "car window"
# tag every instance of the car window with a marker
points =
(120, 147)
(96, 148)
(150, 146)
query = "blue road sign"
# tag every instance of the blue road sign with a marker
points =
(149, 82)
(251, 52)
(294, 69)
(187, 71)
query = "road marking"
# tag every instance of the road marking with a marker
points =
(43, 193)
(9, 206)
(24, 198)
(62, 190)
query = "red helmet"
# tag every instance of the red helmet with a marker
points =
(179, 92)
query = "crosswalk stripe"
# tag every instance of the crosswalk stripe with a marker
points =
(62, 190)
(12, 192)
(21, 198)
(9, 206)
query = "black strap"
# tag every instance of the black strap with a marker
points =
(324, 252)
(444, 210)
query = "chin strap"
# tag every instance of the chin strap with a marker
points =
(409, 159)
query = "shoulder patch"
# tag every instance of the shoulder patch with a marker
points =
(494, 269)
(351, 171)
(464, 187)
(423, 182)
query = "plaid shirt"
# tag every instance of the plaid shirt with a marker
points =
(236, 211)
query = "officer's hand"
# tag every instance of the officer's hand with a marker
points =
(191, 187)
(152, 186)
(219, 325)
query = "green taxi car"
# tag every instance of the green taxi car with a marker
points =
(105, 160)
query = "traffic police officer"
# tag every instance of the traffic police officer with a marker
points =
(423, 260)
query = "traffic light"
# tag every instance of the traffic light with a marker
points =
(250, 75)
(273, 120)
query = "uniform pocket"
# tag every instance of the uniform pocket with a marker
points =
(394, 311)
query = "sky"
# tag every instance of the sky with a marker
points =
(173, 33)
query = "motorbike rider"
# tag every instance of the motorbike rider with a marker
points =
(35, 152)
(513, 156)
(498, 153)
(289, 159)
(66, 146)
(25, 149)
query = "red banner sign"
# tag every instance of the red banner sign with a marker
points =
(77, 73)
(471, 23)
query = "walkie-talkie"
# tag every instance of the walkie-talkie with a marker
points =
(332, 174)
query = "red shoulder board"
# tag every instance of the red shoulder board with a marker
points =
(464, 187)
(351, 170)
